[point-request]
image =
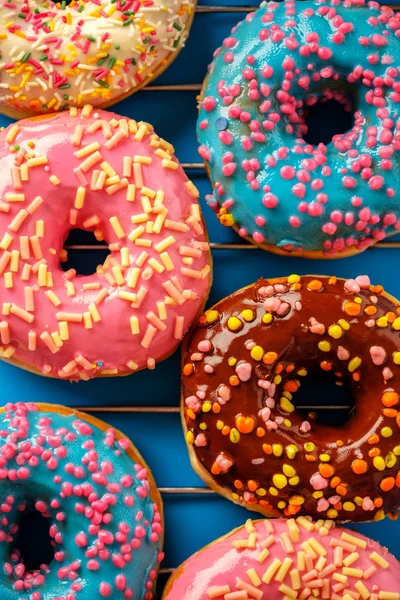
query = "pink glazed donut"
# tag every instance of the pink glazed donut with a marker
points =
(96, 171)
(292, 559)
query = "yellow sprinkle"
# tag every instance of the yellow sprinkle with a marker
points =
(324, 346)
(386, 432)
(382, 321)
(354, 364)
(293, 279)
(257, 352)
(396, 358)
(279, 480)
(116, 225)
(335, 331)
(234, 324)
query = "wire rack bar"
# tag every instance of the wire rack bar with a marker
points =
(186, 491)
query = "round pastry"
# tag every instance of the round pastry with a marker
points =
(283, 560)
(99, 172)
(102, 504)
(275, 188)
(55, 56)
(243, 364)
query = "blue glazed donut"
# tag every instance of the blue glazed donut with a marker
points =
(276, 189)
(104, 510)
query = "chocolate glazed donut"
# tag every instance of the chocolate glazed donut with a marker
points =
(244, 362)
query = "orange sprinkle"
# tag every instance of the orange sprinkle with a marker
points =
(374, 452)
(290, 368)
(245, 424)
(188, 369)
(216, 408)
(389, 399)
(332, 280)
(373, 439)
(387, 484)
(370, 310)
(238, 484)
(310, 458)
(377, 289)
(326, 365)
(267, 448)
(398, 419)
(356, 376)
(326, 470)
(233, 380)
(391, 316)
(215, 469)
(225, 430)
(341, 489)
(279, 369)
(339, 443)
(335, 481)
(359, 466)
(398, 479)
(315, 285)
(191, 414)
(291, 386)
(252, 485)
(270, 357)
(390, 412)
(260, 432)
(352, 309)
(378, 502)
(295, 286)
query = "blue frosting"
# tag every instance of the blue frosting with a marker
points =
(268, 182)
(117, 524)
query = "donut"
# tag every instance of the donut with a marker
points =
(244, 362)
(55, 56)
(103, 507)
(276, 189)
(288, 559)
(96, 171)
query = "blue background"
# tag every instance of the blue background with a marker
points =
(192, 520)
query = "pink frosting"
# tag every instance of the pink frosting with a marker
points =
(225, 572)
(135, 310)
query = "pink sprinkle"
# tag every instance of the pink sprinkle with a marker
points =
(243, 371)
(318, 482)
(378, 354)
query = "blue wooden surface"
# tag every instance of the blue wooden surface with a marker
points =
(193, 521)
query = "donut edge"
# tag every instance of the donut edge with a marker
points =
(18, 115)
(311, 254)
(17, 363)
(131, 451)
(196, 465)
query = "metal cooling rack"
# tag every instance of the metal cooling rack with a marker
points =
(215, 247)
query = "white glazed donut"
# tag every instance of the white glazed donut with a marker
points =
(54, 56)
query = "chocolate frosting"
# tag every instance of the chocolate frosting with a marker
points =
(241, 367)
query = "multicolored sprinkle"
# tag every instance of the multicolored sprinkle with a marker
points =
(57, 55)
(242, 367)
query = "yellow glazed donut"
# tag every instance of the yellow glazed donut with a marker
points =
(55, 56)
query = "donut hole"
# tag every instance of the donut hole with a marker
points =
(33, 545)
(84, 252)
(326, 118)
(321, 400)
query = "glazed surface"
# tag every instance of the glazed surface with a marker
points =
(56, 56)
(242, 366)
(272, 186)
(96, 171)
(278, 559)
(105, 528)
